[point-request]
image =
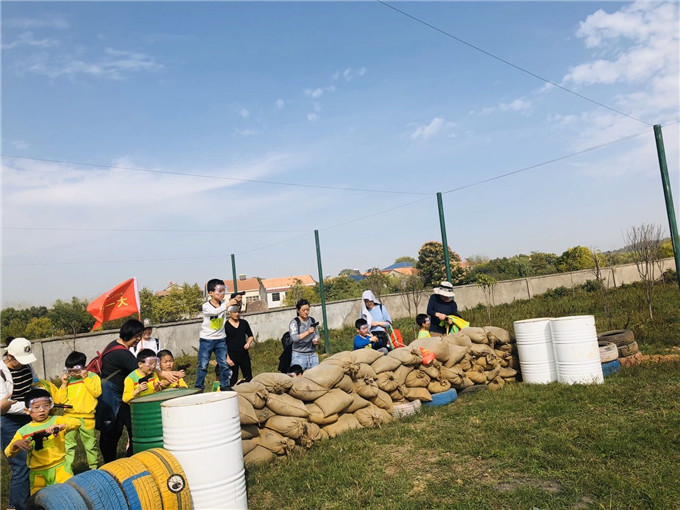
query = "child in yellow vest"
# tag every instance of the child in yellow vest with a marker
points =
(423, 322)
(134, 386)
(167, 362)
(80, 389)
(43, 440)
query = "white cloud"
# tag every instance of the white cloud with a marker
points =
(312, 117)
(32, 23)
(515, 106)
(27, 39)
(246, 132)
(427, 131)
(20, 144)
(280, 103)
(244, 113)
(350, 73)
(319, 91)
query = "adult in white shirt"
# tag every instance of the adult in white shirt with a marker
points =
(147, 341)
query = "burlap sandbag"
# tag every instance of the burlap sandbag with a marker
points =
(287, 426)
(253, 392)
(507, 372)
(359, 403)
(249, 431)
(386, 415)
(476, 376)
(369, 417)
(316, 415)
(502, 354)
(456, 354)
(346, 422)
(383, 401)
(349, 368)
(325, 375)
(366, 387)
(497, 383)
(402, 372)
(275, 442)
(438, 386)
(458, 339)
(386, 381)
(257, 456)
(334, 402)
(497, 335)
(399, 393)
(513, 362)
(478, 350)
(477, 335)
(407, 356)
(246, 412)
(345, 384)
(248, 445)
(367, 355)
(311, 435)
(307, 390)
(432, 369)
(480, 363)
(418, 394)
(365, 370)
(347, 356)
(285, 405)
(274, 382)
(385, 364)
(263, 414)
(439, 347)
(466, 363)
(452, 374)
(417, 379)
(465, 383)
(492, 361)
(493, 373)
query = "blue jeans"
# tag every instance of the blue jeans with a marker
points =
(18, 486)
(305, 360)
(205, 349)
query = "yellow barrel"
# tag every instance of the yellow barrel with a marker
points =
(169, 476)
(139, 487)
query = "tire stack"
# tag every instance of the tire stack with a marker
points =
(628, 352)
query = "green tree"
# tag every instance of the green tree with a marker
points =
(341, 287)
(300, 291)
(380, 284)
(666, 249)
(348, 272)
(147, 302)
(406, 258)
(575, 259)
(431, 264)
(71, 318)
(181, 303)
(39, 328)
(16, 328)
(543, 263)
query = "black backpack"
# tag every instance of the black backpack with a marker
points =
(287, 354)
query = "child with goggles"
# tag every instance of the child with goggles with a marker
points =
(144, 380)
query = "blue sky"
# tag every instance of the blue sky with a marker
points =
(178, 101)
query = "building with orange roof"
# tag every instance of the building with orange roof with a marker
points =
(276, 288)
(254, 291)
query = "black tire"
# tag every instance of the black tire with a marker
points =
(628, 349)
(617, 336)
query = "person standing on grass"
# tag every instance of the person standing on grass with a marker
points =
(239, 340)
(304, 337)
(440, 306)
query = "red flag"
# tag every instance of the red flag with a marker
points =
(120, 301)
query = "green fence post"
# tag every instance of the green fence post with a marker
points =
(233, 272)
(442, 225)
(323, 293)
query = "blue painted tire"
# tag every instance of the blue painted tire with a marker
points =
(57, 497)
(611, 367)
(99, 490)
(443, 398)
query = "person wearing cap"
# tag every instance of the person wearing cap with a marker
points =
(17, 377)
(440, 306)
(147, 342)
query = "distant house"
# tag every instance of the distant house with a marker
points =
(254, 290)
(166, 290)
(400, 269)
(276, 288)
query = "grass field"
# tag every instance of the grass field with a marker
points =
(611, 446)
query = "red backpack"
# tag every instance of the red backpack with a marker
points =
(95, 364)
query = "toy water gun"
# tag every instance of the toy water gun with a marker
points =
(39, 436)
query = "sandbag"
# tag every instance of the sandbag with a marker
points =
(386, 415)
(334, 402)
(466, 363)
(325, 375)
(476, 376)
(399, 393)
(253, 392)
(344, 356)
(349, 368)
(306, 389)
(345, 384)
(497, 383)
(316, 415)
(311, 435)
(418, 394)
(407, 356)
(383, 401)
(439, 347)
(365, 370)
(402, 372)
(497, 335)
(367, 355)
(274, 382)
(257, 456)
(263, 414)
(370, 417)
(275, 442)
(465, 383)
(249, 432)
(477, 335)
(359, 403)
(246, 412)
(285, 405)
(432, 370)
(451, 374)
(458, 339)
(366, 387)
(507, 372)
(438, 386)
(386, 381)
(417, 379)
(456, 354)
(385, 364)
(248, 445)
(287, 426)
(346, 422)
(492, 374)
(479, 350)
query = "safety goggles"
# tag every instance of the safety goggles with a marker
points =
(74, 369)
(151, 362)
(40, 404)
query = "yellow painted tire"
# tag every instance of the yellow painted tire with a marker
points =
(139, 487)
(169, 476)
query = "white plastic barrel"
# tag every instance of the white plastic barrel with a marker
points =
(535, 351)
(204, 433)
(577, 353)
